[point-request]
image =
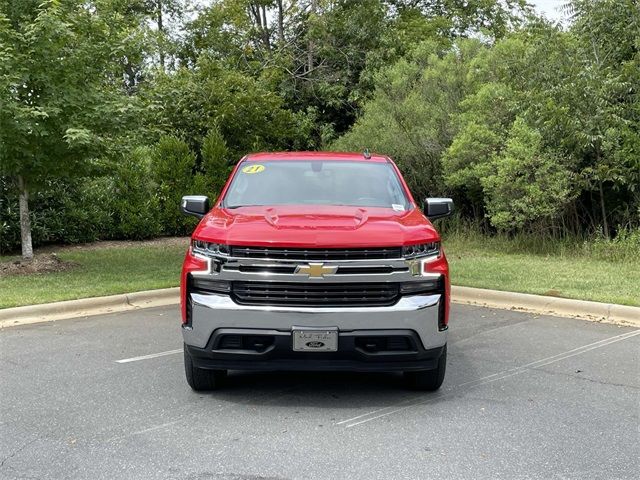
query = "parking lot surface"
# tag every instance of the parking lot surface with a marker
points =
(524, 397)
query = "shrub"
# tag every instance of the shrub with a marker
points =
(172, 169)
(136, 208)
(215, 155)
(626, 245)
(74, 211)
(527, 184)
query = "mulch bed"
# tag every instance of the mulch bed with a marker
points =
(41, 263)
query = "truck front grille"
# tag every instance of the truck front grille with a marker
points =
(290, 270)
(315, 295)
(317, 253)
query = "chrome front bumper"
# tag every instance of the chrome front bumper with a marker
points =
(210, 312)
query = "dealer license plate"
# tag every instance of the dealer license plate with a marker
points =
(308, 340)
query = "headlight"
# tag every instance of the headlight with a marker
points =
(421, 250)
(209, 249)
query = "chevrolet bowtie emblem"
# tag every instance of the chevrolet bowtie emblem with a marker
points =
(315, 270)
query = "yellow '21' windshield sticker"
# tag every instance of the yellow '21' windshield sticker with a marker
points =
(253, 169)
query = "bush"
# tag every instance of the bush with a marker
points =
(526, 184)
(138, 198)
(626, 245)
(172, 169)
(215, 163)
(61, 212)
(136, 208)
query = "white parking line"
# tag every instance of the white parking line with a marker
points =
(398, 407)
(151, 355)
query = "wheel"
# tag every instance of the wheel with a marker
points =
(429, 380)
(201, 379)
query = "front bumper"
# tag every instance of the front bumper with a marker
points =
(414, 317)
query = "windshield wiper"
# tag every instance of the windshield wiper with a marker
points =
(238, 206)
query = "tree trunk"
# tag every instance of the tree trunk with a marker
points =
(603, 210)
(577, 226)
(160, 31)
(259, 15)
(280, 22)
(265, 30)
(25, 221)
(311, 46)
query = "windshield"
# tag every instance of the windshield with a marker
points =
(363, 184)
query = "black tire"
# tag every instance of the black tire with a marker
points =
(429, 380)
(200, 379)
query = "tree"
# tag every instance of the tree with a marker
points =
(482, 122)
(63, 98)
(167, 15)
(458, 18)
(525, 183)
(409, 116)
(249, 117)
(608, 80)
(581, 94)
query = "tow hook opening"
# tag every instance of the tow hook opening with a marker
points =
(256, 343)
(381, 344)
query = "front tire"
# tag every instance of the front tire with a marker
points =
(429, 380)
(201, 379)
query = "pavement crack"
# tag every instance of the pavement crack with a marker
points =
(127, 301)
(587, 379)
(16, 452)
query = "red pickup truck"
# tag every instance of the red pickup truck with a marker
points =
(315, 261)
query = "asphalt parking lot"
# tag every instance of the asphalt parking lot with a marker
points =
(524, 397)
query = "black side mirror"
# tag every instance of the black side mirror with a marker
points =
(196, 205)
(435, 208)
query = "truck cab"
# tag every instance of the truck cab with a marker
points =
(315, 261)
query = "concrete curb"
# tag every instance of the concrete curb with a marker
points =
(560, 307)
(85, 307)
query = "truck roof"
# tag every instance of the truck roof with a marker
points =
(321, 156)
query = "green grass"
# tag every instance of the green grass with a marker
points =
(567, 269)
(101, 271)
(564, 269)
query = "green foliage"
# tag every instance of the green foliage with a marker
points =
(481, 130)
(526, 184)
(538, 130)
(63, 212)
(111, 110)
(625, 247)
(172, 166)
(135, 205)
(323, 55)
(63, 102)
(249, 117)
(215, 160)
(409, 115)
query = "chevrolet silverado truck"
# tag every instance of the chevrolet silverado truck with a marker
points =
(315, 261)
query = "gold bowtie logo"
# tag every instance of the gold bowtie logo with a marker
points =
(315, 270)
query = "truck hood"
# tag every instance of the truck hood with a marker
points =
(315, 227)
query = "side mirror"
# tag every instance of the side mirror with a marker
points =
(435, 208)
(196, 205)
